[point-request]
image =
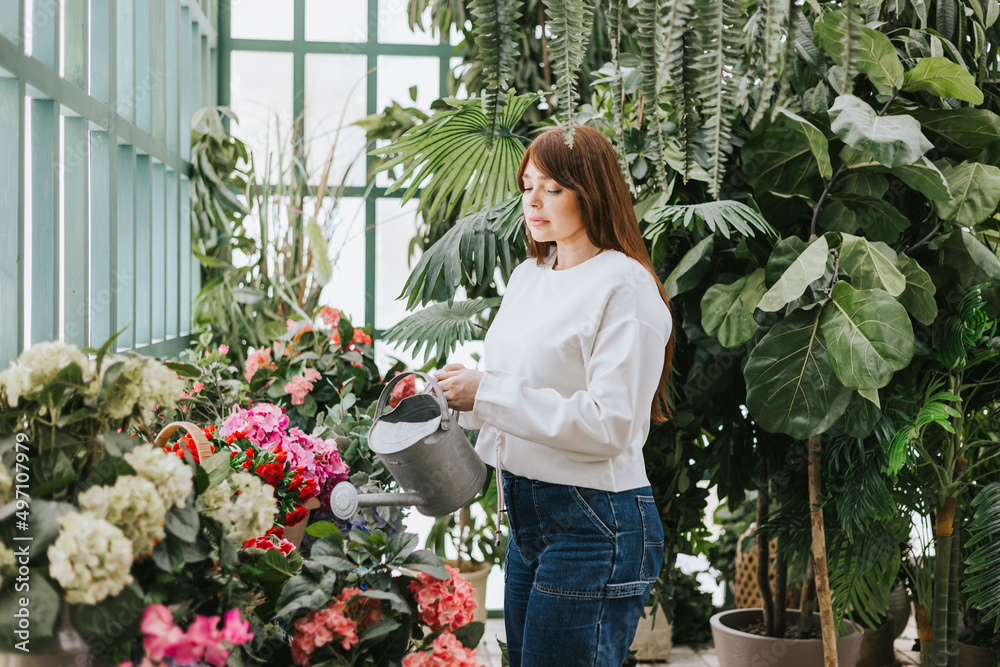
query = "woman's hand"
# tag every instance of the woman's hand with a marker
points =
(459, 385)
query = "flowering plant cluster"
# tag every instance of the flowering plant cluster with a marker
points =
(374, 600)
(203, 641)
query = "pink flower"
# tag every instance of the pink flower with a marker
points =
(330, 316)
(446, 651)
(321, 627)
(157, 620)
(405, 387)
(311, 375)
(444, 604)
(298, 388)
(258, 359)
(264, 424)
(224, 349)
(198, 386)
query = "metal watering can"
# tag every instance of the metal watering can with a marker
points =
(424, 449)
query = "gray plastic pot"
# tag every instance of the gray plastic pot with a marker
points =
(742, 649)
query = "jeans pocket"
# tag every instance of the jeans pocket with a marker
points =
(652, 539)
(593, 507)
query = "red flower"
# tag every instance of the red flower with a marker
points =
(297, 480)
(248, 464)
(293, 517)
(280, 455)
(277, 531)
(271, 472)
(308, 489)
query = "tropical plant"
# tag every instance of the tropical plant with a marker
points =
(883, 201)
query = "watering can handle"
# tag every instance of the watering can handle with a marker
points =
(387, 392)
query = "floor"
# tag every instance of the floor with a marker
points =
(685, 656)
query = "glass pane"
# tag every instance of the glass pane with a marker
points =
(261, 96)
(395, 225)
(397, 74)
(263, 19)
(346, 289)
(335, 99)
(394, 28)
(336, 21)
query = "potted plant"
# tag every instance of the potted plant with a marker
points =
(116, 525)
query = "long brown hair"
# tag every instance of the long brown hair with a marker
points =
(592, 171)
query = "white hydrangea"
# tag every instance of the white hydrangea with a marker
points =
(172, 477)
(143, 383)
(244, 503)
(91, 559)
(134, 506)
(37, 366)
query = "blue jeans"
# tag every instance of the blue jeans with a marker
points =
(580, 565)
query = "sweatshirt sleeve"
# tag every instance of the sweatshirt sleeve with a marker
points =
(469, 420)
(623, 375)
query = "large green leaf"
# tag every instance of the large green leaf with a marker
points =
(943, 78)
(690, 270)
(969, 129)
(791, 387)
(870, 267)
(969, 258)
(925, 178)
(846, 212)
(453, 150)
(874, 54)
(892, 140)
(918, 297)
(861, 416)
(975, 190)
(807, 267)
(868, 335)
(818, 144)
(776, 160)
(727, 310)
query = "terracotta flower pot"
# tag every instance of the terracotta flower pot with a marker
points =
(741, 649)
(296, 533)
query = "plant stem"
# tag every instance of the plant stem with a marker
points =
(763, 554)
(926, 239)
(780, 591)
(953, 613)
(819, 203)
(807, 601)
(819, 554)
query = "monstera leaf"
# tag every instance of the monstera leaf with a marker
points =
(791, 387)
(727, 310)
(891, 140)
(871, 265)
(868, 334)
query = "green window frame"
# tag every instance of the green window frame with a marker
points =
(94, 147)
(371, 49)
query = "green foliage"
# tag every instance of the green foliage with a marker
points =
(440, 327)
(493, 26)
(457, 151)
(984, 563)
(571, 21)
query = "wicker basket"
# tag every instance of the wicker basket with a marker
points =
(746, 591)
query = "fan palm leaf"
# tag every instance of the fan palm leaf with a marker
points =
(452, 153)
(473, 247)
(441, 327)
(983, 569)
(720, 217)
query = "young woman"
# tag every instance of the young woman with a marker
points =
(577, 364)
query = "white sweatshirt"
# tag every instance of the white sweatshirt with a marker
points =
(572, 362)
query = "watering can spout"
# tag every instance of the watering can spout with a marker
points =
(422, 447)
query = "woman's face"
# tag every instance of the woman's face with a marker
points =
(551, 211)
